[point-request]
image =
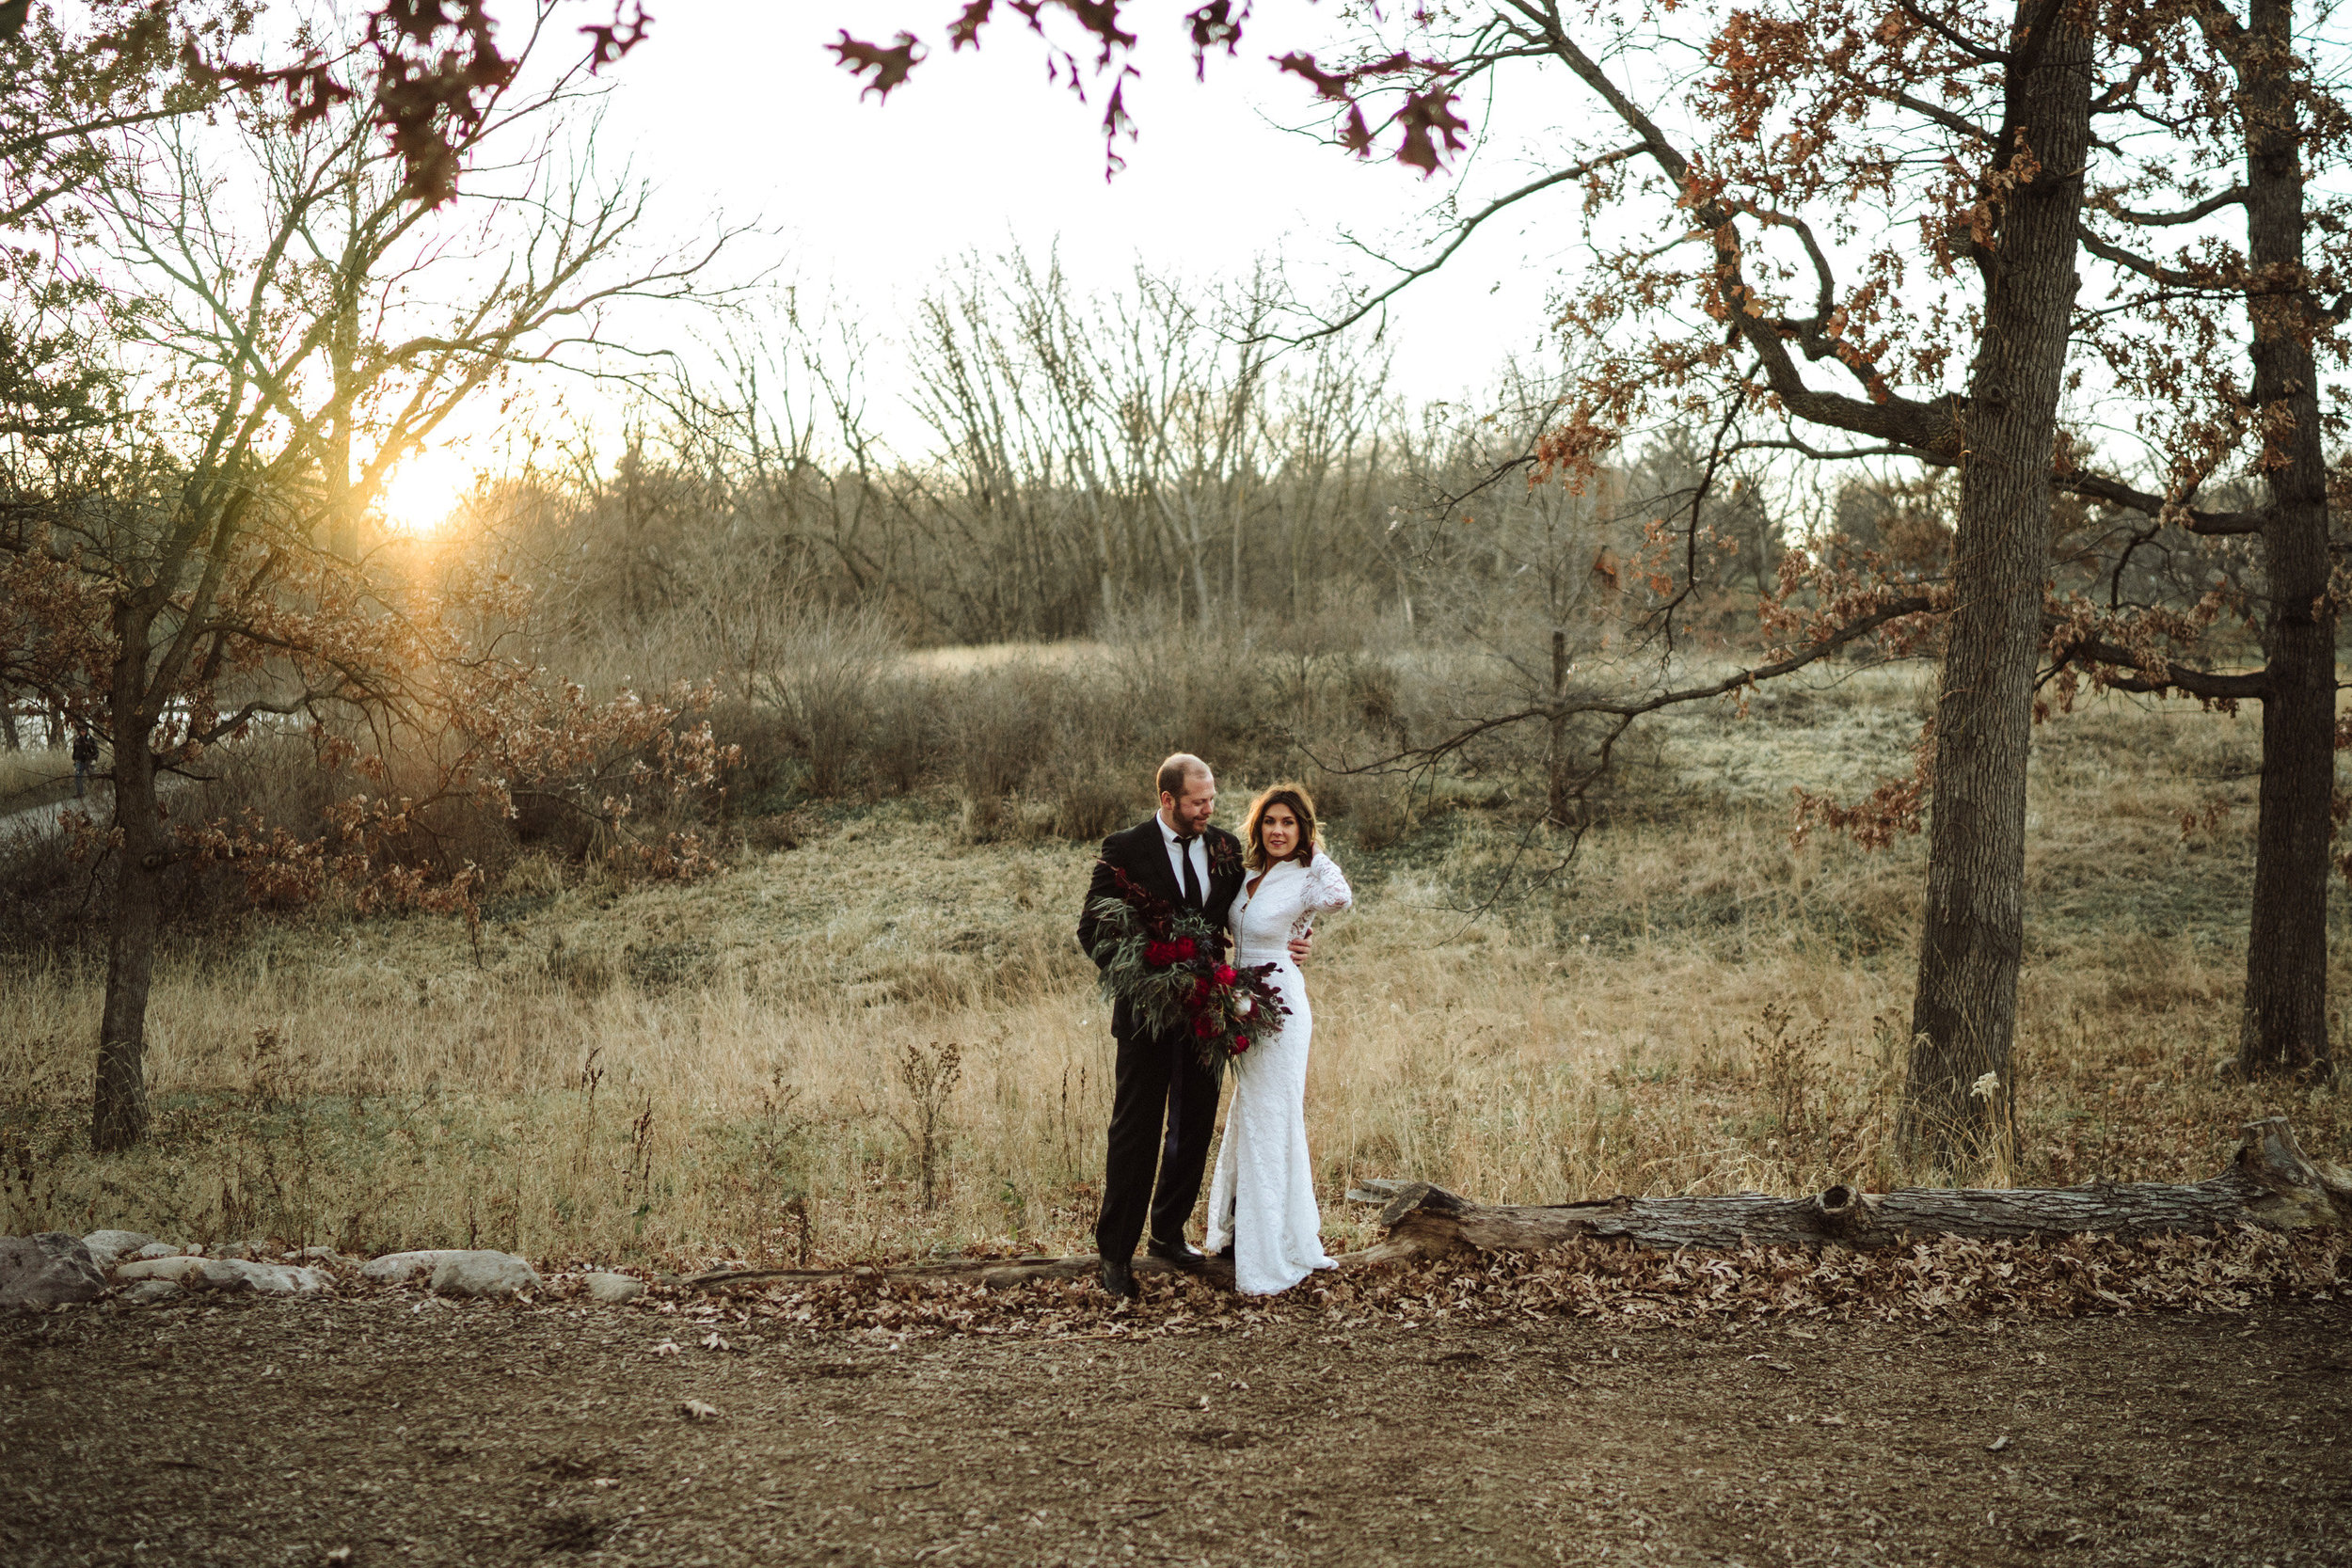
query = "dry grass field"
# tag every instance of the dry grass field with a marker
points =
(34, 776)
(673, 1073)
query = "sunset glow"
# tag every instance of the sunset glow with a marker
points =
(424, 489)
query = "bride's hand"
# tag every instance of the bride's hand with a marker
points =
(1301, 945)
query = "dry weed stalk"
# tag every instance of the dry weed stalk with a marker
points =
(931, 1076)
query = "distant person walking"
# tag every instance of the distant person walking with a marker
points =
(85, 757)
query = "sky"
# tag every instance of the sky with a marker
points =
(736, 105)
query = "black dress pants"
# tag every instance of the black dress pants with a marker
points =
(1163, 1114)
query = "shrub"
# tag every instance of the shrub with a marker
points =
(998, 723)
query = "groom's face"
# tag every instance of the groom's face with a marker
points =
(1189, 812)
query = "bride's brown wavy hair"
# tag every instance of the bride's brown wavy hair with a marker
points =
(1302, 807)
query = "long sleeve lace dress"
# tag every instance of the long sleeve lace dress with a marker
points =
(1263, 1197)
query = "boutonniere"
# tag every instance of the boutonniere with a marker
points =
(1224, 855)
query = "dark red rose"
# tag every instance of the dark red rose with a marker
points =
(1159, 955)
(1185, 948)
(1225, 973)
(1204, 1026)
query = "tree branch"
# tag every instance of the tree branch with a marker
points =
(2211, 524)
(1967, 46)
(2250, 687)
(1463, 231)
(1958, 123)
(1925, 427)
(2234, 197)
(1418, 757)
(2154, 272)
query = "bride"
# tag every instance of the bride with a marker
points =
(1262, 1201)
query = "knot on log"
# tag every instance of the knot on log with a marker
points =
(2294, 1191)
(1421, 1199)
(1841, 1210)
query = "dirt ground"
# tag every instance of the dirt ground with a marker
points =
(405, 1429)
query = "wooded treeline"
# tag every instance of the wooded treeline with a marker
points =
(1080, 460)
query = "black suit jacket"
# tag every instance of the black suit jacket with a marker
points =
(1142, 854)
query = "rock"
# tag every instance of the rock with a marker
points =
(394, 1268)
(157, 1249)
(106, 1246)
(617, 1288)
(483, 1273)
(47, 1269)
(454, 1271)
(226, 1274)
(326, 1256)
(277, 1279)
(152, 1292)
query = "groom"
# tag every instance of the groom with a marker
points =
(1163, 1101)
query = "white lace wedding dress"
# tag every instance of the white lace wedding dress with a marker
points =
(1263, 1197)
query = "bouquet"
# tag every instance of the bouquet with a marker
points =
(1167, 962)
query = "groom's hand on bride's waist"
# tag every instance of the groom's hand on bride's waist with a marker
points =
(1301, 946)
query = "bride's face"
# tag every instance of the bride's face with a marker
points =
(1277, 829)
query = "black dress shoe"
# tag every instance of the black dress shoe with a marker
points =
(1177, 1254)
(1120, 1280)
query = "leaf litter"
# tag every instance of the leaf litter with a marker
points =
(1947, 1279)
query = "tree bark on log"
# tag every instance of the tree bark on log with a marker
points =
(2270, 1184)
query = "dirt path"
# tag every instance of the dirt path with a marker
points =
(400, 1429)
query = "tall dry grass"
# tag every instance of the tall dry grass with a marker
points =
(682, 1072)
(34, 775)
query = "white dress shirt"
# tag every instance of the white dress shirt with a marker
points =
(1175, 858)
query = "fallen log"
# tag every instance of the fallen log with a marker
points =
(2270, 1183)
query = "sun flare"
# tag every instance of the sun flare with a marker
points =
(423, 489)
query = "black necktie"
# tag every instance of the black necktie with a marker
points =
(1184, 858)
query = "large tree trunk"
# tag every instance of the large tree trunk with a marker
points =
(2270, 1184)
(2285, 1025)
(1957, 1099)
(118, 1110)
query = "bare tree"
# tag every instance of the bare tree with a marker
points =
(297, 326)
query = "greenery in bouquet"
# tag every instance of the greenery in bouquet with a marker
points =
(1169, 963)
